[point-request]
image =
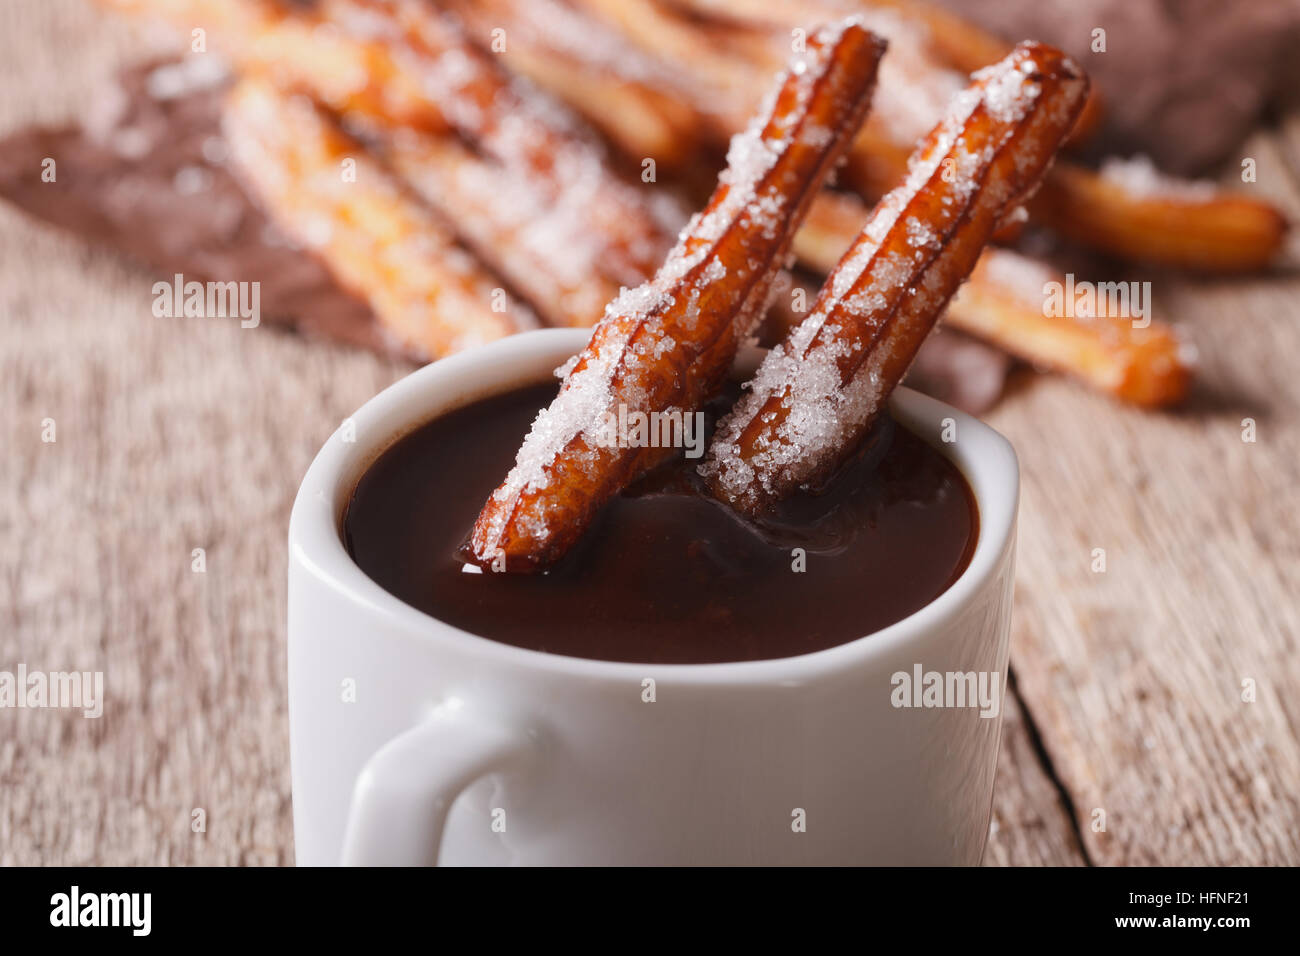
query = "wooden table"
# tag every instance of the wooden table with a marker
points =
(1127, 739)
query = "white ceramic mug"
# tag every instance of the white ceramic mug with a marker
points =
(414, 742)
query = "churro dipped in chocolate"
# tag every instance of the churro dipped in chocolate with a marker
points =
(816, 393)
(666, 346)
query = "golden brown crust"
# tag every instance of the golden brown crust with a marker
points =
(816, 394)
(666, 346)
(322, 189)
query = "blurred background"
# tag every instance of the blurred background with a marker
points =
(151, 456)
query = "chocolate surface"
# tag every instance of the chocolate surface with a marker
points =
(666, 575)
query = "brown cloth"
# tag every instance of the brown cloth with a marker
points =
(146, 174)
(1183, 81)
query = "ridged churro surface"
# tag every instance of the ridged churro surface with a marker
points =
(817, 392)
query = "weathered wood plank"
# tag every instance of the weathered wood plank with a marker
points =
(1134, 676)
(1030, 825)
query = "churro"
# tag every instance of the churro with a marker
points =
(322, 189)
(816, 394)
(664, 348)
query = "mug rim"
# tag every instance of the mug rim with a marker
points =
(985, 459)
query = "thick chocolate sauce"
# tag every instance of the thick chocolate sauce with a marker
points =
(665, 574)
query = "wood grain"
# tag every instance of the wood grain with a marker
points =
(1031, 822)
(175, 434)
(1134, 676)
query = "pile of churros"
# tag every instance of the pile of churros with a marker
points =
(475, 167)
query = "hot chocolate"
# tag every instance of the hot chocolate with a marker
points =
(666, 574)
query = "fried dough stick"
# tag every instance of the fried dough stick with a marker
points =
(1140, 361)
(301, 48)
(405, 63)
(957, 41)
(1174, 224)
(547, 249)
(637, 101)
(1002, 303)
(947, 41)
(526, 133)
(723, 88)
(666, 346)
(322, 189)
(816, 394)
(1213, 231)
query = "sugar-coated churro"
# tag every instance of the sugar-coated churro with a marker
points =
(816, 394)
(321, 188)
(665, 347)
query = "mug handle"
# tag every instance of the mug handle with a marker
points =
(402, 795)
